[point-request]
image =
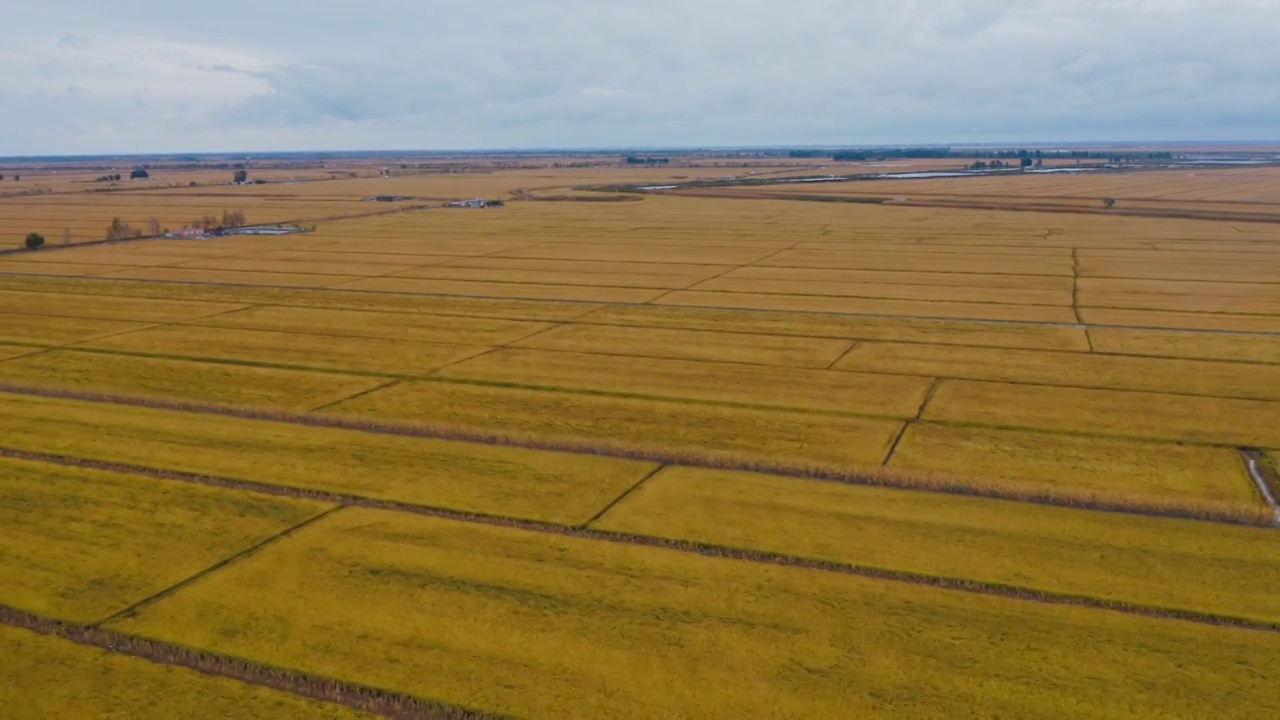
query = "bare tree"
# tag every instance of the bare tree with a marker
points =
(153, 226)
(119, 230)
(233, 218)
(66, 236)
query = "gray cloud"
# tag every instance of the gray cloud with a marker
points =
(387, 73)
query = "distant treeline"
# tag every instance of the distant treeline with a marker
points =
(974, 153)
(635, 160)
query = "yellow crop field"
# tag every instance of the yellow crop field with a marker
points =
(229, 277)
(546, 626)
(76, 290)
(638, 276)
(1168, 343)
(917, 261)
(47, 330)
(48, 677)
(673, 427)
(530, 484)
(183, 380)
(1113, 412)
(1192, 377)
(1153, 561)
(1003, 392)
(67, 268)
(576, 293)
(883, 395)
(691, 345)
(81, 545)
(887, 291)
(1177, 320)
(108, 308)
(1200, 302)
(1088, 463)
(937, 278)
(378, 355)
(353, 266)
(869, 306)
(378, 325)
(941, 332)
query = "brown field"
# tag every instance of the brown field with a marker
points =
(686, 454)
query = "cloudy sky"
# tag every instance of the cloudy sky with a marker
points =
(108, 76)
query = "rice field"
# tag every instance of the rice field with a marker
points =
(683, 455)
(147, 535)
(50, 677)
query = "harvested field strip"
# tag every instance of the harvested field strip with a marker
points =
(471, 477)
(1225, 323)
(367, 355)
(143, 535)
(416, 327)
(861, 259)
(255, 264)
(106, 307)
(164, 680)
(176, 378)
(635, 278)
(927, 278)
(884, 291)
(497, 308)
(1225, 289)
(1155, 562)
(46, 329)
(874, 307)
(844, 327)
(678, 428)
(1121, 414)
(1086, 463)
(12, 265)
(68, 671)
(556, 310)
(887, 396)
(230, 277)
(1189, 344)
(513, 290)
(37, 398)
(591, 629)
(690, 345)
(681, 253)
(1203, 303)
(1082, 370)
(278, 313)
(367, 258)
(586, 267)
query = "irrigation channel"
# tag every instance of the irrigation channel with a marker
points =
(1262, 477)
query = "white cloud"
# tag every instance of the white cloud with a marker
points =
(152, 75)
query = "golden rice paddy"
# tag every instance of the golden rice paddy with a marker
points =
(714, 454)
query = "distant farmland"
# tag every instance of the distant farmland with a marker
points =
(681, 457)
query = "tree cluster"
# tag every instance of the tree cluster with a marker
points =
(634, 160)
(120, 230)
